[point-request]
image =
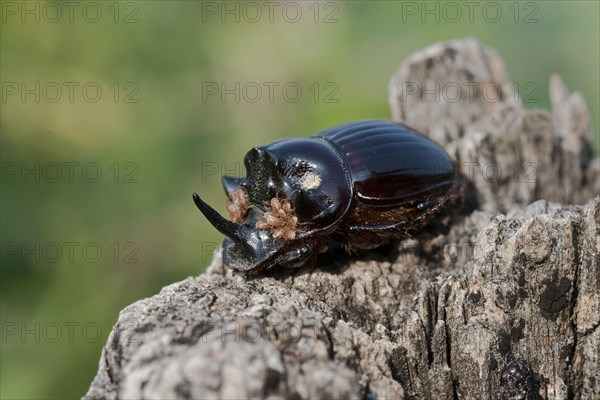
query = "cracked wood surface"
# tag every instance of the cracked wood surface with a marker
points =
(500, 302)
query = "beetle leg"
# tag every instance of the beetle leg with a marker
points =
(297, 257)
(376, 228)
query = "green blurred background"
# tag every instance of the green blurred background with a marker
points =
(156, 134)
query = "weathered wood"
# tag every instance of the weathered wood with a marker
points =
(504, 302)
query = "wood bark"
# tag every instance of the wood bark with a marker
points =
(501, 302)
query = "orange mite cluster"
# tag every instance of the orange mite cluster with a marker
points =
(281, 219)
(237, 206)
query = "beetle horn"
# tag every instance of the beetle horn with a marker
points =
(230, 229)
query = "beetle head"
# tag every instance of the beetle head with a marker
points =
(310, 176)
(309, 173)
(246, 248)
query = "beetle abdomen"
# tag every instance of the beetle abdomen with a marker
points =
(390, 164)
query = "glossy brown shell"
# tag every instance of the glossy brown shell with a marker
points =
(390, 164)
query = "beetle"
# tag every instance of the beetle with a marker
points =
(359, 184)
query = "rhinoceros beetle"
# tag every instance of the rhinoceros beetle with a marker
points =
(358, 184)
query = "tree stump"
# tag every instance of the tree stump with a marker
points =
(503, 302)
